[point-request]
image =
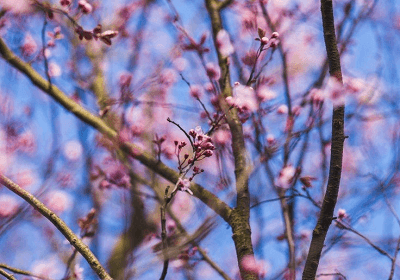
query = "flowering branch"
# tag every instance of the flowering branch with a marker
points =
(212, 201)
(60, 225)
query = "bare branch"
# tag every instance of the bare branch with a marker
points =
(60, 225)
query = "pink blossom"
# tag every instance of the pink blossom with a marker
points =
(317, 96)
(224, 43)
(296, 110)
(25, 178)
(17, 6)
(183, 206)
(209, 87)
(334, 91)
(341, 214)
(65, 2)
(245, 98)
(248, 20)
(230, 101)
(73, 150)
(264, 40)
(8, 205)
(168, 77)
(275, 35)
(264, 93)
(54, 70)
(180, 63)
(253, 266)
(58, 201)
(78, 272)
(26, 142)
(221, 137)
(170, 225)
(213, 71)
(273, 43)
(119, 177)
(184, 185)
(29, 47)
(46, 268)
(125, 79)
(286, 177)
(250, 58)
(270, 139)
(85, 7)
(196, 91)
(282, 109)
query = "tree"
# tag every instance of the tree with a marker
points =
(177, 127)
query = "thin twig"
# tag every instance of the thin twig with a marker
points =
(187, 135)
(20, 271)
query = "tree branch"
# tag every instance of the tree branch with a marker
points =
(240, 216)
(60, 225)
(335, 170)
(204, 195)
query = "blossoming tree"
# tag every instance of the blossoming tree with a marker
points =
(196, 140)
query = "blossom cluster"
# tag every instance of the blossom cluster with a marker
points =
(96, 33)
(202, 148)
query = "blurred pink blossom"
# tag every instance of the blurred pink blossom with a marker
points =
(54, 70)
(221, 137)
(224, 43)
(58, 201)
(85, 7)
(73, 150)
(248, 20)
(182, 206)
(29, 46)
(17, 6)
(245, 98)
(26, 142)
(341, 214)
(184, 185)
(46, 268)
(213, 71)
(253, 266)
(8, 205)
(196, 91)
(264, 93)
(168, 77)
(78, 272)
(270, 139)
(180, 63)
(335, 92)
(25, 178)
(65, 2)
(285, 177)
(282, 109)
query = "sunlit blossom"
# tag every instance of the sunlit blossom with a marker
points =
(253, 266)
(58, 201)
(8, 205)
(245, 98)
(73, 150)
(285, 177)
(224, 43)
(264, 93)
